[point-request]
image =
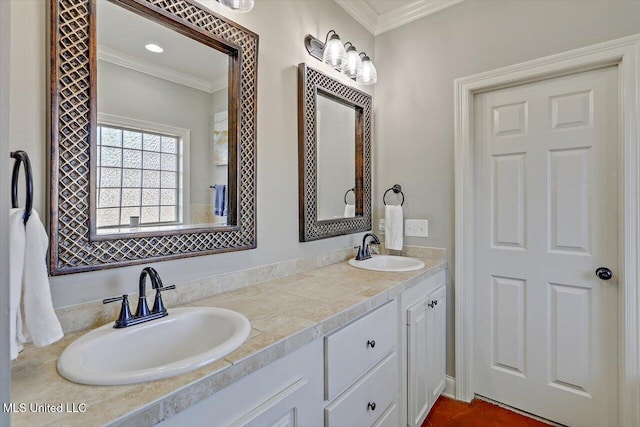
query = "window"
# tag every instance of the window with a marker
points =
(137, 175)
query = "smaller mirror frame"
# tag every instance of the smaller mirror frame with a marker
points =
(310, 82)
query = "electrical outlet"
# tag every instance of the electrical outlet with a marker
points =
(416, 227)
(381, 226)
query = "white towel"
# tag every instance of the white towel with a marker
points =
(349, 211)
(40, 318)
(393, 227)
(16, 267)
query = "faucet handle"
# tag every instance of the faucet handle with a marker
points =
(125, 312)
(158, 305)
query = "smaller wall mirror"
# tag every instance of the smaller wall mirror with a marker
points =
(334, 154)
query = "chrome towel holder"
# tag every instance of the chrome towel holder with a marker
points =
(396, 189)
(345, 194)
(22, 157)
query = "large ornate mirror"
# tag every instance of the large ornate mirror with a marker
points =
(153, 133)
(334, 157)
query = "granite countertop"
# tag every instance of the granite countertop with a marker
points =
(285, 314)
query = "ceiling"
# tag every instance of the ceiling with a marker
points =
(379, 16)
(122, 36)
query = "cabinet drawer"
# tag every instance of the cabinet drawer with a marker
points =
(353, 350)
(379, 386)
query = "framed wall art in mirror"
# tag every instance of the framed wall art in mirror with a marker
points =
(334, 157)
(138, 93)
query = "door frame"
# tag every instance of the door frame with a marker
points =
(625, 53)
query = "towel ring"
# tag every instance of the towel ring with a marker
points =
(345, 194)
(22, 157)
(396, 189)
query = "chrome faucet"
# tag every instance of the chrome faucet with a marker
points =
(363, 251)
(143, 314)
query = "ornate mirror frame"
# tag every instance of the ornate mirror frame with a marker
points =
(310, 82)
(74, 246)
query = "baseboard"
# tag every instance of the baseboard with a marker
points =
(449, 387)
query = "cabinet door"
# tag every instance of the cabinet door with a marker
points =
(285, 393)
(436, 343)
(286, 409)
(426, 332)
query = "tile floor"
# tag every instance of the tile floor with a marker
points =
(451, 413)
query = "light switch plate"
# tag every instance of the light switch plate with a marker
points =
(381, 226)
(416, 227)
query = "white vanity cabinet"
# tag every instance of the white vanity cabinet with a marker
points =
(425, 338)
(285, 393)
(361, 371)
(383, 369)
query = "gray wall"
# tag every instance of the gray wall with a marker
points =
(5, 179)
(416, 66)
(282, 26)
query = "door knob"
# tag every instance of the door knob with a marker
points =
(604, 273)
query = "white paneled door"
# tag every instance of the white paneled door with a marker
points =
(545, 165)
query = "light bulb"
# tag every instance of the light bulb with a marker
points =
(353, 68)
(238, 5)
(334, 53)
(369, 74)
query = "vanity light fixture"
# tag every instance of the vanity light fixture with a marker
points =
(241, 6)
(357, 66)
(369, 74)
(353, 69)
(154, 48)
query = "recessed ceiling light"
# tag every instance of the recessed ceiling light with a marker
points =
(154, 48)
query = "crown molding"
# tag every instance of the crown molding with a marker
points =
(376, 23)
(361, 12)
(133, 63)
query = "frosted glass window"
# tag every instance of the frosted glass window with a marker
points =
(168, 162)
(169, 180)
(151, 142)
(151, 160)
(110, 177)
(131, 197)
(132, 139)
(169, 145)
(167, 214)
(111, 137)
(138, 174)
(132, 159)
(150, 179)
(111, 157)
(108, 197)
(131, 178)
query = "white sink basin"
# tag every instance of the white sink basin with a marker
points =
(388, 263)
(187, 339)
